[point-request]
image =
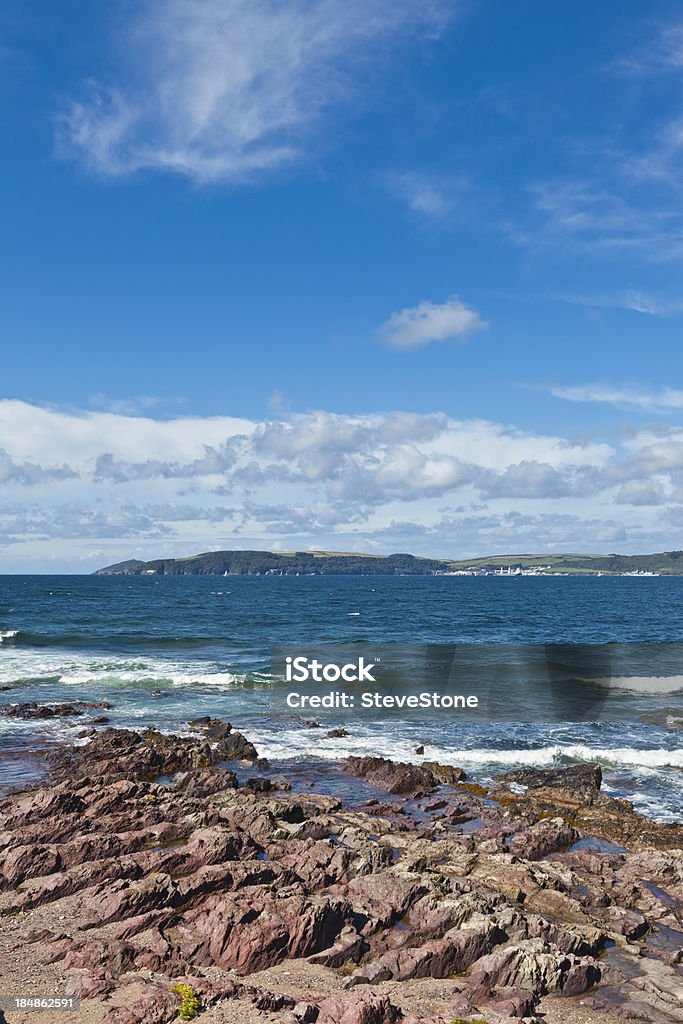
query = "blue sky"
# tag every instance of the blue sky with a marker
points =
(254, 226)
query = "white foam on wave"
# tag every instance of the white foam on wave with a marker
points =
(8, 634)
(630, 757)
(642, 684)
(169, 675)
(303, 743)
(29, 729)
(66, 669)
(484, 764)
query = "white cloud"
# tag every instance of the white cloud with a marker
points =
(30, 473)
(625, 198)
(133, 486)
(652, 401)
(45, 434)
(663, 52)
(602, 213)
(632, 299)
(429, 321)
(223, 90)
(432, 196)
(134, 406)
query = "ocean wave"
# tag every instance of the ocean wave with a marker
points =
(642, 684)
(8, 634)
(301, 744)
(620, 757)
(25, 667)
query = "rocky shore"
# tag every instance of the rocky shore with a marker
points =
(145, 862)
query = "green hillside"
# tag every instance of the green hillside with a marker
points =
(289, 563)
(262, 563)
(668, 563)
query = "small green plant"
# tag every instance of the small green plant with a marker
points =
(190, 1003)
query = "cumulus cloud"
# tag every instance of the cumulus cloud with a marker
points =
(45, 434)
(214, 461)
(533, 480)
(643, 492)
(152, 488)
(223, 90)
(75, 521)
(28, 473)
(371, 458)
(418, 325)
(507, 532)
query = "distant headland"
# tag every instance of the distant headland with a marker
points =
(335, 563)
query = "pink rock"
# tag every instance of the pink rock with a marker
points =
(358, 1008)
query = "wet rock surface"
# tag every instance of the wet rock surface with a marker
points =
(31, 709)
(393, 776)
(575, 794)
(140, 863)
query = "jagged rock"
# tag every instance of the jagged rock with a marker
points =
(385, 897)
(536, 966)
(205, 782)
(574, 794)
(33, 710)
(386, 810)
(547, 836)
(512, 1002)
(358, 1008)
(90, 985)
(212, 728)
(437, 958)
(445, 772)
(253, 930)
(395, 777)
(213, 989)
(348, 948)
(124, 899)
(259, 785)
(156, 1006)
(124, 754)
(24, 862)
(625, 921)
(575, 777)
(305, 1013)
(235, 747)
(188, 877)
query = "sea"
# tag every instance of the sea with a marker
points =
(166, 650)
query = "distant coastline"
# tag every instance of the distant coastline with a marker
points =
(326, 563)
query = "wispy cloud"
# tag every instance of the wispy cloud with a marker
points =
(662, 51)
(419, 325)
(428, 195)
(602, 214)
(134, 406)
(223, 90)
(625, 199)
(631, 299)
(658, 400)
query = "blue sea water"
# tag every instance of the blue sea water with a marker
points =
(163, 650)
